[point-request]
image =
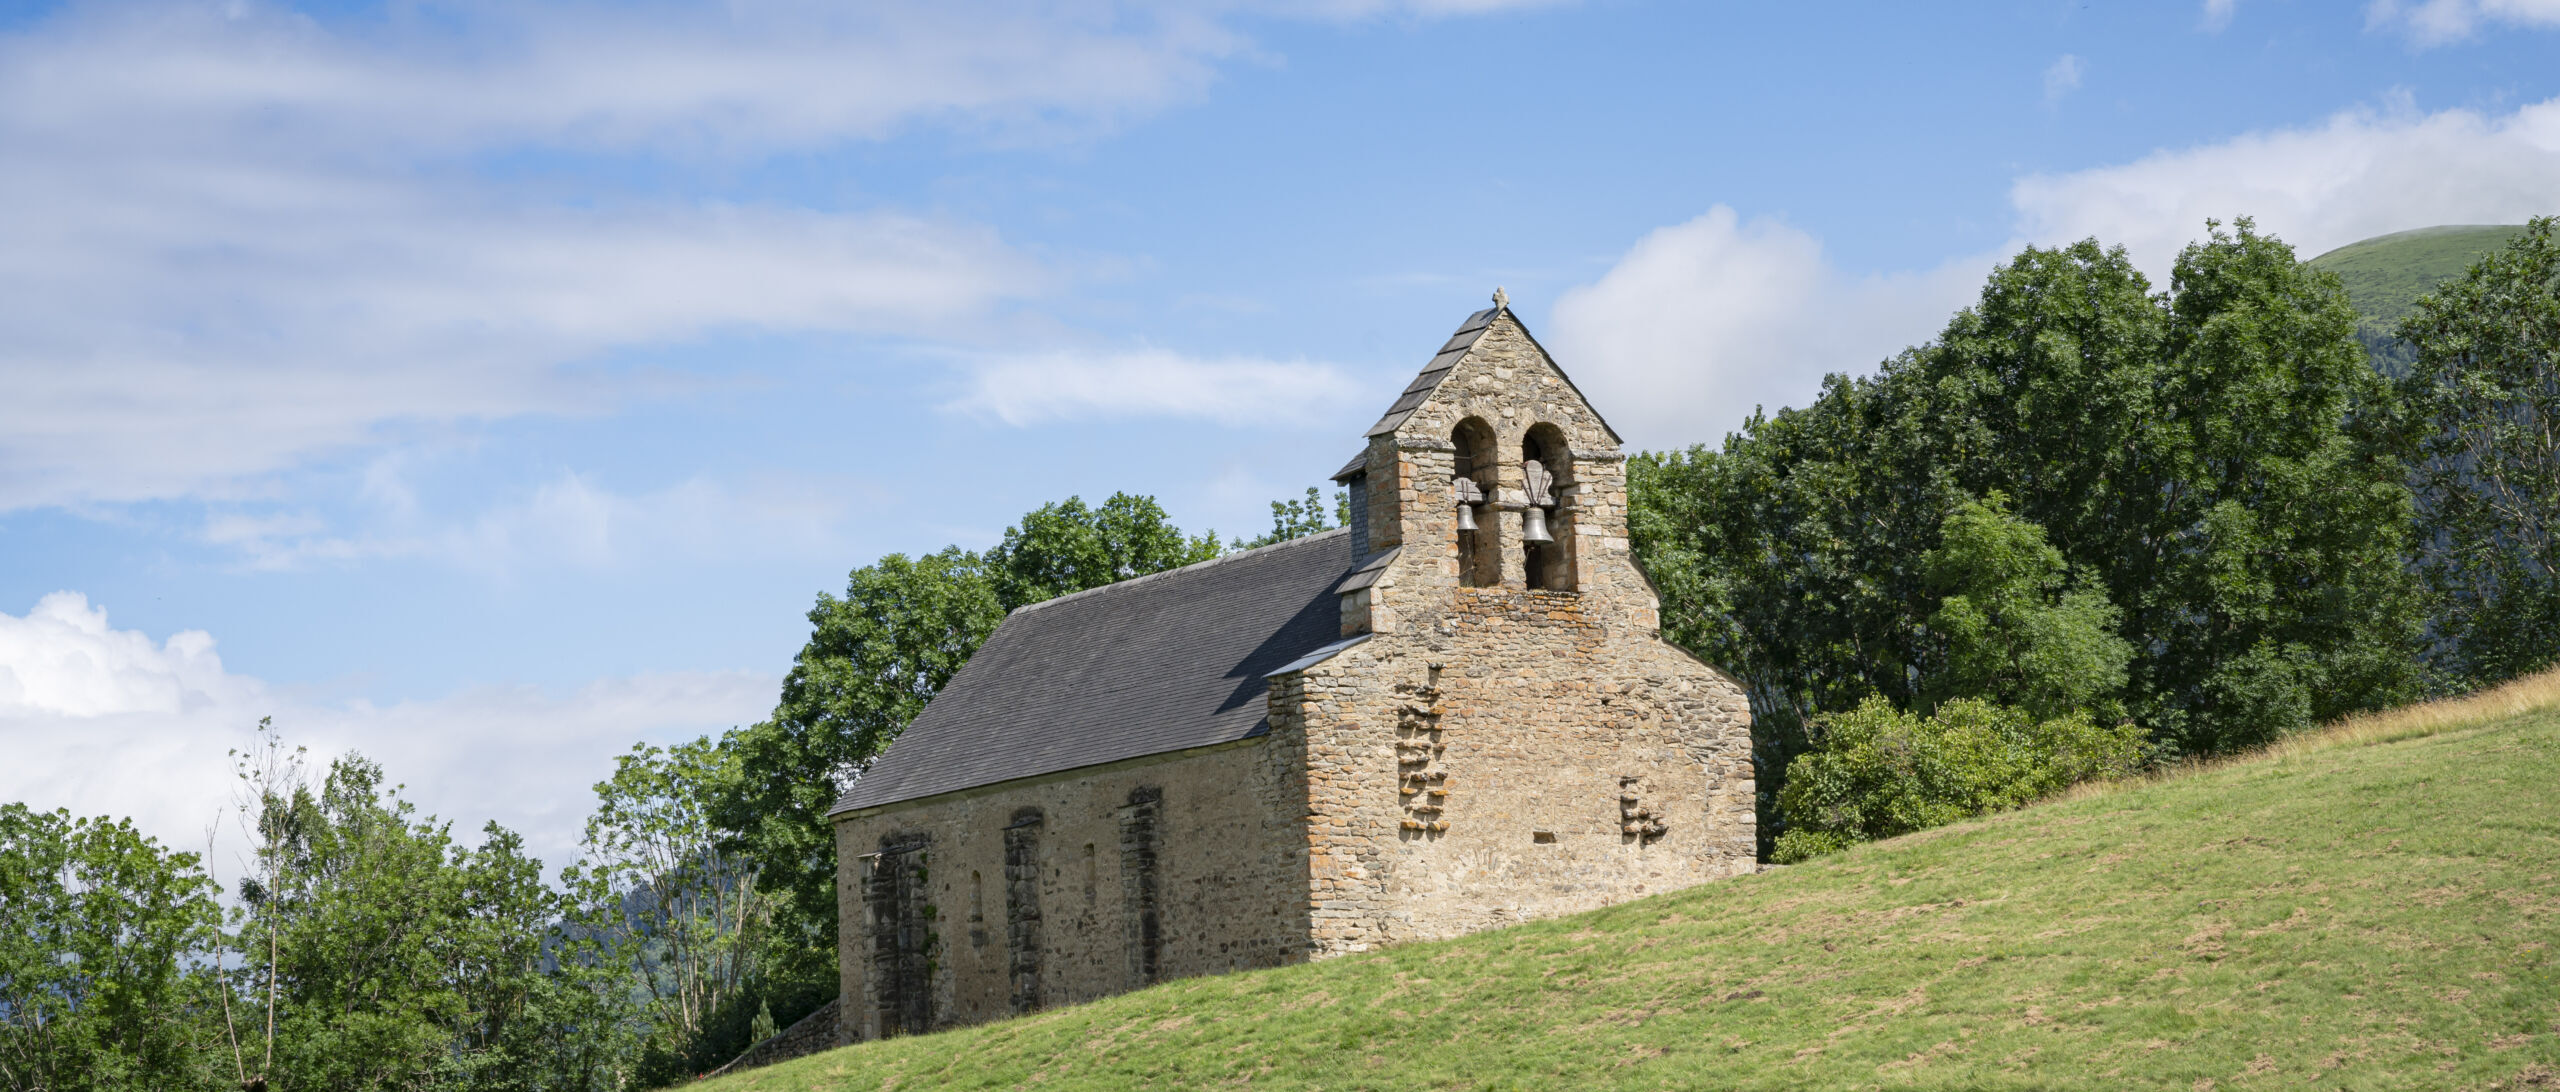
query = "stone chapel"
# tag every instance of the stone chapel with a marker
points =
(1454, 713)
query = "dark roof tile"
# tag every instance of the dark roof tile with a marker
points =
(1159, 663)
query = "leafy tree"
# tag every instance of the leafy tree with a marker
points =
(2212, 457)
(374, 953)
(2017, 630)
(1300, 518)
(101, 938)
(2483, 397)
(1067, 547)
(875, 656)
(1880, 771)
(690, 925)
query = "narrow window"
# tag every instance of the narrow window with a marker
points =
(1139, 834)
(1022, 907)
(901, 936)
(1472, 485)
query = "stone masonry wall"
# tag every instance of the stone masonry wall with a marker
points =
(1228, 889)
(1498, 753)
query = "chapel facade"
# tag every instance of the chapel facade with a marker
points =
(1455, 713)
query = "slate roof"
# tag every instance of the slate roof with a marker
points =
(1158, 663)
(1455, 350)
(1448, 357)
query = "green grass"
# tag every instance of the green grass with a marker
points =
(2375, 908)
(2386, 274)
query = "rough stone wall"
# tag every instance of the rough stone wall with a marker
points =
(1227, 890)
(1499, 753)
(807, 1035)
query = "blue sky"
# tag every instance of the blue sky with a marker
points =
(488, 386)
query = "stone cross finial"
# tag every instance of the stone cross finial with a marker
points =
(1501, 301)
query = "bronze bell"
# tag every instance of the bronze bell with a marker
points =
(1466, 517)
(1535, 529)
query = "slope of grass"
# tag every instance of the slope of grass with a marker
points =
(2385, 275)
(2374, 907)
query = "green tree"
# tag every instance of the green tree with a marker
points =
(2483, 398)
(1300, 518)
(2017, 630)
(2213, 457)
(1065, 547)
(691, 923)
(1879, 771)
(102, 933)
(373, 952)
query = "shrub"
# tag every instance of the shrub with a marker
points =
(1877, 771)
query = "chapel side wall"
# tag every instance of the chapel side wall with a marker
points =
(1540, 706)
(1229, 894)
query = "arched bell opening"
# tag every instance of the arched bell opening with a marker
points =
(1546, 478)
(1471, 486)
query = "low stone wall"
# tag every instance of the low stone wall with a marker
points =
(809, 1035)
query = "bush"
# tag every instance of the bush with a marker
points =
(1876, 771)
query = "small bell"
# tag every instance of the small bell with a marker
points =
(1535, 529)
(1466, 517)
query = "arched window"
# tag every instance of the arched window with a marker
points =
(1546, 472)
(1471, 485)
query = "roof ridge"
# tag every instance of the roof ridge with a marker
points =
(1194, 566)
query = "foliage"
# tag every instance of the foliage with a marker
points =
(686, 919)
(102, 936)
(1065, 547)
(2210, 457)
(2016, 629)
(2341, 917)
(2484, 409)
(1879, 772)
(1300, 518)
(374, 953)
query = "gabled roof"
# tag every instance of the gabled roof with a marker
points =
(1158, 663)
(1448, 357)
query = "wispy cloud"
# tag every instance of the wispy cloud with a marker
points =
(235, 236)
(2437, 22)
(107, 721)
(569, 520)
(1025, 389)
(2062, 77)
(2217, 15)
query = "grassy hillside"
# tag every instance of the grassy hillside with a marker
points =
(2385, 275)
(2376, 907)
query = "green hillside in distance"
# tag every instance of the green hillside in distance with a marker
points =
(2375, 907)
(2385, 275)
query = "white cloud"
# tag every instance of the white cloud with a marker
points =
(2436, 22)
(568, 520)
(2217, 14)
(2359, 174)
(2062, 77)
(1026, 389)
(108, 722)
(1700, 322)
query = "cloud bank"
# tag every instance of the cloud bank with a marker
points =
(106, 721)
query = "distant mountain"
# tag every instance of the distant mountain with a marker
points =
(2386, 274)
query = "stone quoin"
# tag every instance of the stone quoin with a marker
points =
(1398, 730)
